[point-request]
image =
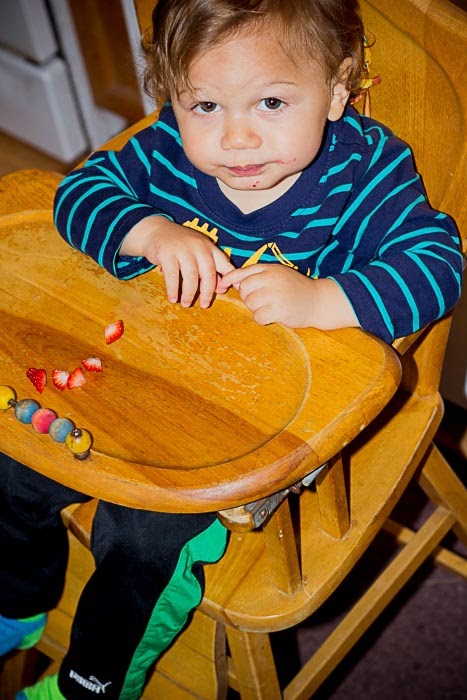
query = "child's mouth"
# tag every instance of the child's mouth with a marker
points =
(247, 170)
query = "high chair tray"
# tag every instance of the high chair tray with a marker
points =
(194, 409)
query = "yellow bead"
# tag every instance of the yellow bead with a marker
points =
(7, 394)
(79, 441)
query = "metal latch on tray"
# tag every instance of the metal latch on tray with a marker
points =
(255, 514)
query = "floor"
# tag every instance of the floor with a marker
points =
(418, 649)
(16, 155)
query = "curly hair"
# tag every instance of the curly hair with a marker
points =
(327, 31)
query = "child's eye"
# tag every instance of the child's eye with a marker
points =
(206, 107)
(271, 104)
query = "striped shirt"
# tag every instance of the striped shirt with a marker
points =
(358, 214)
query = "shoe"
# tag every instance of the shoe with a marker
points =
(46, 689)
(20, 634)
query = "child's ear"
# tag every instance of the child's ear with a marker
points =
(339, 90)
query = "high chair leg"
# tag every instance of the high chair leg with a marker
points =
(253, 672)
(369, 606)
(332, 498)
(443, 487)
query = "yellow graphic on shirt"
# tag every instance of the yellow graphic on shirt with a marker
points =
(275, 250)
(253, 259)
(204, 228)
(278, 254)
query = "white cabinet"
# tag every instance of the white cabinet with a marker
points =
(25, 28)
(38, 107)
(45, 96)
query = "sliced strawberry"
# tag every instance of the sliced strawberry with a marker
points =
(76, 379)
(60, 378)
(113, 332)
(38, 377)
(92, 364)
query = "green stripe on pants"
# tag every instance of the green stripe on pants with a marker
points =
(182, 594)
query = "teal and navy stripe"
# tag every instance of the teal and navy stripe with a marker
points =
(358, 214)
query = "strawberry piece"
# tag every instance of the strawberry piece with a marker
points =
(76, 379)
(60, 378)
(92, 364)
(38, 377)
(113, 332)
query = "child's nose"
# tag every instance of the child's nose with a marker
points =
(238, 133)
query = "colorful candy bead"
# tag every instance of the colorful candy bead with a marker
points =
(79, 442)
(45, 420)
(59, 429)
(7, 397)
(42, 419)
(25, 409)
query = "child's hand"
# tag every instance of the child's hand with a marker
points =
(279, 294)
(189, 260)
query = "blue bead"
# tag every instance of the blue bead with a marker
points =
(59, 429)
(25, 409)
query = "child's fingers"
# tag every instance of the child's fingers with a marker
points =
(191, 277)
(235, 277)
(194, 268)
(211, 268)
(207, 282)
(223, 264)
(171, 271)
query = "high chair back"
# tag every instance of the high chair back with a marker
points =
(421, 97)
(274, 577)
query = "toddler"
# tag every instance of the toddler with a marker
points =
(257, 174)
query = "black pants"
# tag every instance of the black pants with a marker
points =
(148, 578)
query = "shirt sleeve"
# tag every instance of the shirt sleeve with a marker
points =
(96, 206)
(405, 266)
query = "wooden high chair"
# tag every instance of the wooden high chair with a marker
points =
(276, 575)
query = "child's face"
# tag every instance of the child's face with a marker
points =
(256, 119)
